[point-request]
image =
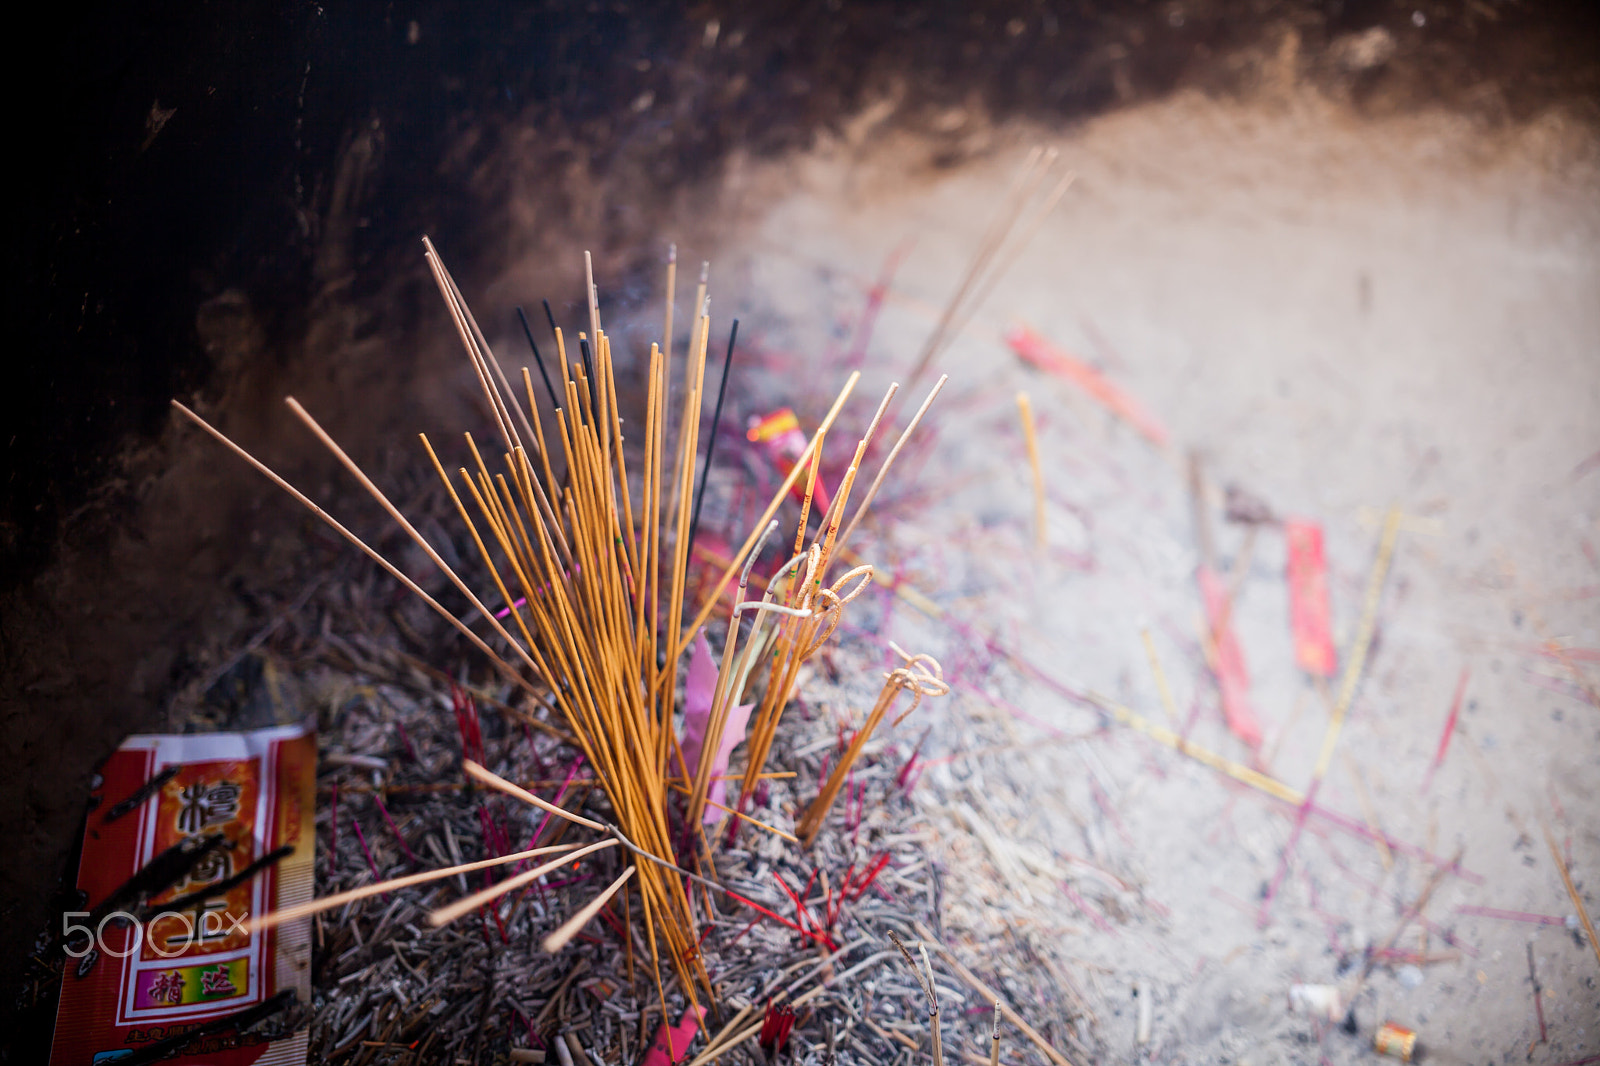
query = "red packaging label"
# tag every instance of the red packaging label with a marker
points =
(179, 969)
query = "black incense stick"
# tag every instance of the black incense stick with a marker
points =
(711, 444)
(538, 358)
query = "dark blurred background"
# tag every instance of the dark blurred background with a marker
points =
(203, 186)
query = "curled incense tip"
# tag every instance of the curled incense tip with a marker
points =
(761, 542)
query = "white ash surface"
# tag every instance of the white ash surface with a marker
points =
(1340, 314)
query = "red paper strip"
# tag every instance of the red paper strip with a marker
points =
(1034, 349)
(1308, 599)
(1511, 916)
(1233, 682)
(671, 1043)
(1449, 728)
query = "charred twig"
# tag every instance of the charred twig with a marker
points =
(140, 794)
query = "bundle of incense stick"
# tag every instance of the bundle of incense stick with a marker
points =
(592, 573)
(1003, 242)
(810, 608)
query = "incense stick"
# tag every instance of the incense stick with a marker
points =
(1041, 533)
(711, 442)
(445, 915)
(894, 453)
(988, 993)
(921, 676)
(777, 499)
(494, 780)
(1354, 664)
(539, 359)
(1572, 891)
(316, 906)
(1168, 704)
(570, 928)
(371, 553)
(1000, 226)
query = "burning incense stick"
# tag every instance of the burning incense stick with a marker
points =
(1572, 891)
(921, 676)
(316, 906)
(569, 929)
(445, 915)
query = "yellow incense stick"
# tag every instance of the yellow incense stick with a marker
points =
(1041, 532)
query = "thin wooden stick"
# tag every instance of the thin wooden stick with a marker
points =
(326, 903)
(1367, 811)
(921, 676)
(711, 441)
(988, 993)
(572, 926)
(1354, 663)
(494, 780)
(593, 295)
(999, 226)
(672, 289)
(1363, 641)
(1167, 702)
(421, 541)
(371, 553)
(774, 830)
(1008, 254)
(933, 1009)
(1041, 532)
(883, 471)
(1238, 771)
(446, 915)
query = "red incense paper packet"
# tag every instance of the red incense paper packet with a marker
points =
(779, 434)
(1308, 598)
(178, 970)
